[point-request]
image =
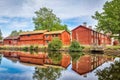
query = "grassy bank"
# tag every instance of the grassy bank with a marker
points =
(113, 50)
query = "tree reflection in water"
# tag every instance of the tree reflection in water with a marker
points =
(49, 73)
(110, 73)
(55, 56)
(0, 58)
(75, 55)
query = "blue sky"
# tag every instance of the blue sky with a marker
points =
(18, 14)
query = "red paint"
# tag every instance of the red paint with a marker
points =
(87, 36)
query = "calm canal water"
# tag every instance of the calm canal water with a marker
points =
(55, 66)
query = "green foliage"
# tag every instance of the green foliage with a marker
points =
(46, 20)
(75, 46)
(75, 55)
(1, 35)
(55, 57)
(31, 48)
(49, 73)
(110, 73)
(109, 19)
(55, 44)
(15, 33)
(25, 48)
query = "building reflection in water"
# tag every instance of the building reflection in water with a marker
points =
(87, 63)
(81, 63)
(0, 58)
(40, 58)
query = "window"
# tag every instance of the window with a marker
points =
(54, 35)
(28, 35)
(47, 41)
(46, 36)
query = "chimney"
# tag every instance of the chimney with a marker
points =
(85, 24)
(90, 27)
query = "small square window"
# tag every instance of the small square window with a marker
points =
(46, 36)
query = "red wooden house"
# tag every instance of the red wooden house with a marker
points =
(62, 34)
(1, 42)
(11, 40)
(42, 37)
(32, 38)
(87, 36)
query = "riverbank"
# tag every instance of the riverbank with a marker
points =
(109, 50)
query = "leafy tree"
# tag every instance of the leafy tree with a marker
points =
(1, 35)
(110, 73)
(46, 20)
(75, 55)
(56, 57)
(15, 33)
(109, 19)
(55, 44)
(75, 46)
(49, 73)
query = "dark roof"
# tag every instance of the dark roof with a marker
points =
(12, 37)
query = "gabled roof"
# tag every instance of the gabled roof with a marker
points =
(12, 37)
(55, 32)
(87, 29)
(83, 27)
(33, 32)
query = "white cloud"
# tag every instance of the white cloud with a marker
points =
(18, 24)
(62, 8)
(2, 20)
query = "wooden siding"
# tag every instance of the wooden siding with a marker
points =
(87, 36)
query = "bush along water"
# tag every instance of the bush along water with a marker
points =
(30, 48)
(75, 46)
(55, 44)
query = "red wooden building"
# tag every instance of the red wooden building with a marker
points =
(1, 42)
(42, 37)
(62, 34)
(11, 40)
(32, 38)
(87, 36)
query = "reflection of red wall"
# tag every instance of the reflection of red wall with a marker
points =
(88, 63)
(83, 65)
(32, 60)
(65, 60)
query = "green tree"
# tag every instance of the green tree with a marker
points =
(15, 33)
(109, 19)
(1, 35)
(55, 44)
(56, 57)
(46, 20)
(49, 73)
(75, 46)
(109, 73)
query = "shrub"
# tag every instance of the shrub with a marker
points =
(75, 46)
(55, 44)
(25, 48)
